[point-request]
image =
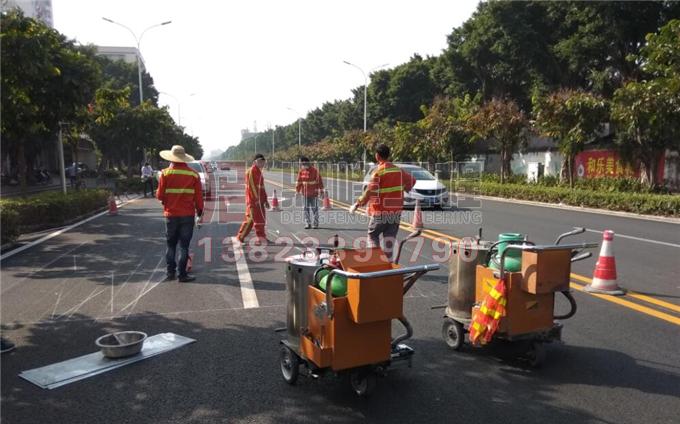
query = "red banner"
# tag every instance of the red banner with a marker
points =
(603, 163)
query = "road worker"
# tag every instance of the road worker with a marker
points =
(384, 195)
(310, 186)
(256, 203)
(179, 189)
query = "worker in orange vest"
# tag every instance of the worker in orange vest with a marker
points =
(256, 202)
(384, 195)
(179, 189)
(309, 185)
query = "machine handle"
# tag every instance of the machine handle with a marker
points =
(375, 274)
(576, 230)
(582, 256)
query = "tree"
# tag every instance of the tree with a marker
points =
(120, 74)
(647, 113)
(45, 79)
(571, 117)
(504, 124)
(444, 135)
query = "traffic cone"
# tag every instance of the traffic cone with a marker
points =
(417, 216)
(604, 277)
(275, 203)
(113, 208)
(326, 201)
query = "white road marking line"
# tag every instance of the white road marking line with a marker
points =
(637, 238)
(56, 233)
(247, 288)
(144, 290)
(74, 309)
(54, 311)
(6, 287)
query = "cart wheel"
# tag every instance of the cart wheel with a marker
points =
(290, 365)
(536, 354)
(362, 382)
(453, 333)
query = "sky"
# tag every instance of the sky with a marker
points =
(231, 65)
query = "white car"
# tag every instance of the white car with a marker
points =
(205, 178)
(428, 189)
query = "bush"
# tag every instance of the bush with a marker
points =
(112, 173)
(89, 173)
(47, 209)
(643, 203)
(9, 224)
(130, 185)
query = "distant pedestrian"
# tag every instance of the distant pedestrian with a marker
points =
(310, 186)
(256, 202)
(147, 178)
(179, 189)
(385, 198)
(72, 173)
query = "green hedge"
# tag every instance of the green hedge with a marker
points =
(131, 185)
(46, 210)
(643, 203)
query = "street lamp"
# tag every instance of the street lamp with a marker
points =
(299, 128)
(365, 92)
(138, 40)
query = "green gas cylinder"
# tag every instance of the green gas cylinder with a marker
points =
(338, 285)
(513, 259)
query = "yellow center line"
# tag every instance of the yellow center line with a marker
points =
(437, 236)
(643, 309)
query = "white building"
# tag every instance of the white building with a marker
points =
(126, 54)
(37, 9)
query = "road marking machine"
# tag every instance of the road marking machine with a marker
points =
(506, 290)
(340, 307)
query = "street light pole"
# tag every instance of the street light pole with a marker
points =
(139, 53)
(62, 166)
(365, 94)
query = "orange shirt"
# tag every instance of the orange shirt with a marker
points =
(309, 182)
(255, 192)
(385, 190)
(179, 189)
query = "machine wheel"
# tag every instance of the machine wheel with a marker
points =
(290, 365)
(363, 382)
(453, 333)
(536, 354)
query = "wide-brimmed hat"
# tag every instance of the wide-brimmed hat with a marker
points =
(176, 154)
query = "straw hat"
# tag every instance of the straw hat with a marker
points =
(176, 154)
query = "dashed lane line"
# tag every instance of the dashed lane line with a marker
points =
(247, 289)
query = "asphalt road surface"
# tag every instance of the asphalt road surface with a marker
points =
(619, 361)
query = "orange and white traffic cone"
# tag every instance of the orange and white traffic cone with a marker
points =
(113, 208)
(275, 203)
(417, 216)
(326, 201)
(604, 277)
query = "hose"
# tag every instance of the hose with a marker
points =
(572, 303)
(409, 332)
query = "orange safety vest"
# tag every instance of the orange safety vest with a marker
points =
(179, 188)
(385, 190)
(255, 192)
(309, 182)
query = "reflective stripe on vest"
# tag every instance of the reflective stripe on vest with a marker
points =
(179, 172)
(391, 189)
(179, 191)
(387, 171)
